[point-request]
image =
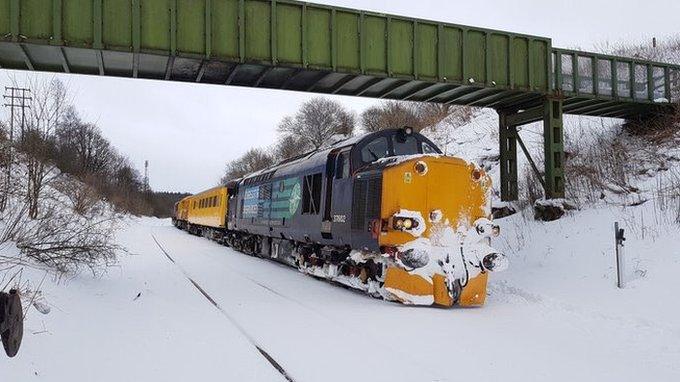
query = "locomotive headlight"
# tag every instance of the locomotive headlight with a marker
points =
(420, 168)
(476, 174)
(404, 224)
(495, 262)
(487, 228)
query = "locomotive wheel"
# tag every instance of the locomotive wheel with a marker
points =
(12, 322)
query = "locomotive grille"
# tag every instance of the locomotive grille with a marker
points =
(366, 200)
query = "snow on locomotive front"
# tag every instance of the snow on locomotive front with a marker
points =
(435, 229)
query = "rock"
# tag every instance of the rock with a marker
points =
(503, 211)
(551, 209)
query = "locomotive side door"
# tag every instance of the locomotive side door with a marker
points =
(338, 197)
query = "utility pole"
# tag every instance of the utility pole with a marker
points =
(14, 98)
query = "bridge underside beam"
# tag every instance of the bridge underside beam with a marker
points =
(64, 59)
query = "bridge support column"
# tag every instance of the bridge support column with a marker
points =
(508, 158)
(553, 142)
(552, 179)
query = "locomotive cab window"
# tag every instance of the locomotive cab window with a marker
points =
(428, 149)
(375, 150)
(342, 166)
(405, 145)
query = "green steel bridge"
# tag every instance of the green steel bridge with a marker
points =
(284, 44)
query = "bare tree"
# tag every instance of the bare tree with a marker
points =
(391, 115)
(82, 197)
(83, 150)
(289, 146)
(437, 121)
(419, 116)
(253, 160)
(667, 50)
(59, 238)
(442, 131)
(5, 158)
(3, 132)
(316, 123)
(48, 105)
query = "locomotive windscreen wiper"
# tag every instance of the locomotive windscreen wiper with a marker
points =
(372, 153)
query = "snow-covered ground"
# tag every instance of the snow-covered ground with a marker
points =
(554, 315)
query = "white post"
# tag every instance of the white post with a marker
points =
(620, 260)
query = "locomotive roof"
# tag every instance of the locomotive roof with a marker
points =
(311, 160)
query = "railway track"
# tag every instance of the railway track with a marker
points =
(275, 364)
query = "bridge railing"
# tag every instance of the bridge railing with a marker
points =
(595, 75)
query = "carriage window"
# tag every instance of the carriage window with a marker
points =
(405, 145)
(427, 149)
(375, 150)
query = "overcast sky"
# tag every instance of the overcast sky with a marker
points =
(188, 131)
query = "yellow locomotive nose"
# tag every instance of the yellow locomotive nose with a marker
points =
(436, 209)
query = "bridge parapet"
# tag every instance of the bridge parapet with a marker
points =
(587, 74)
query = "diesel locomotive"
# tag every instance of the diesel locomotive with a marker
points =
(386, 213)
